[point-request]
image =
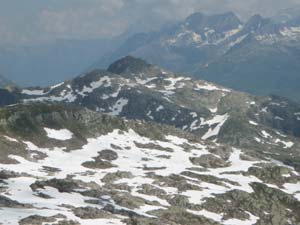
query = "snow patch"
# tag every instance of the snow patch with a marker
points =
(117, 108)
(10, 139)
(219, 120)
(62, 134)
(253, 123)
(105, 81)
(287, 144)
(159, 108)
(33, 92)
(265, 134)
(210, 87)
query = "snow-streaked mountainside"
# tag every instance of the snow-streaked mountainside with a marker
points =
(136, 144)
(260, 56)
(134, 89)
(68, 165)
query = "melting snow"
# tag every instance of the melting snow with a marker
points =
(219, 120)
(105, 81)
(173, 82)
(63, 134)
(117, 108)
(149, 115)
(291, 32)
(33, 92)
(10, 139)
(210, 87)
(266, 134)
(65, 96)
(41, 91)
(159, 108)
(143, 82)
(130, 159)
(57, 85)
(213, 110)
(253, 123)
(193, 114)
(292, 189)
(287, 144)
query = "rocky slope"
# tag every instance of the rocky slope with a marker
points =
(68, 165)
(134, 89)
(260, 56)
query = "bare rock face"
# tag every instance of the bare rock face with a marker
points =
(108, 155)
(209, 161)
(91, 213)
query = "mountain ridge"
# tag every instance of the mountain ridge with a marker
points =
(203, 50)
(156, 95)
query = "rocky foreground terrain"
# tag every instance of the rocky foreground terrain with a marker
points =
(136, 144)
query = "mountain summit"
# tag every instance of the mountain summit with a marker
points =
(128, 64)
(200, 22)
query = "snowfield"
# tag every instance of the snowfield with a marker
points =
(136, 156)
(62, 134)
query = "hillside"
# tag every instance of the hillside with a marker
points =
(69, 165)
(134, 89)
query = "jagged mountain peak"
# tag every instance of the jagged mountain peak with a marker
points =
(128, 64)
(199, 47)
(199, 22)
(255, 23)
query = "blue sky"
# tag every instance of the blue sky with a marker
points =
(36, 21)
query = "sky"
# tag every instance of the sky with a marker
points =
(38, 21)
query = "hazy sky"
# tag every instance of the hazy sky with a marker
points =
(40, 20)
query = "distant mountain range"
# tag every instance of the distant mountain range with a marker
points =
(260, 56)
(136, 144)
